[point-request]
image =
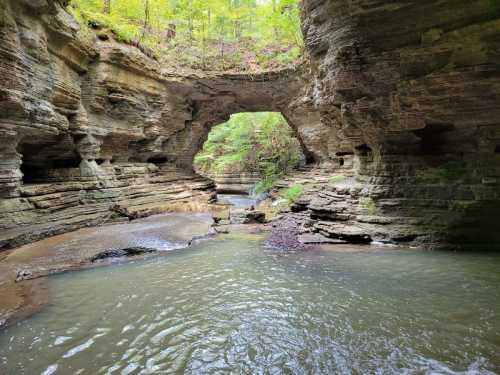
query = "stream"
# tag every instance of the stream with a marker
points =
(230, 306)
(237, 201)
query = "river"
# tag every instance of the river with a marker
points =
(230, 306)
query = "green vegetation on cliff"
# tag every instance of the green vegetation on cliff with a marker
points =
(293, 193)
(260, 143)
(203, 34)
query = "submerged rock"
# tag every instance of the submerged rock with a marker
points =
(246, 216)
(118, 253)
(285, 235)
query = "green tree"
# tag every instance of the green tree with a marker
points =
(204, 34)
(107, 7)
(261, 143)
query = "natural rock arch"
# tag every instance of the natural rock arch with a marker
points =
(93, 131)
(215, 97)
(373, 95)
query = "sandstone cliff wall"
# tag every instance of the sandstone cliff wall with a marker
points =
(408, 93)
(94, 131)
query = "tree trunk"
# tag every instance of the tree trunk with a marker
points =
(191, 23)
(107, 7)
(171, 31)
(274, 16)
(203, 44)
(146, 19)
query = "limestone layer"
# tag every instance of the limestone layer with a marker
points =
(235, 183)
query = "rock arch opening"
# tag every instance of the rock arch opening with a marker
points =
(249, 152)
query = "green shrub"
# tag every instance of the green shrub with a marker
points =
(264, 185)
(293, 193)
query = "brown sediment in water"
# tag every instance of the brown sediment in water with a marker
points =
(21, 300)
(23, 288)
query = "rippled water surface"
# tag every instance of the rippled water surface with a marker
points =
(229, 306)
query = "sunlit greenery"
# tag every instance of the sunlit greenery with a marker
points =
(293, 193)
(261, 143)
(203, 34)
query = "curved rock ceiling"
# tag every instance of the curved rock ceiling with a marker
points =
(404, 96)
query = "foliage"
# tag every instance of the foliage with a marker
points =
(336, 179)
(260, 143)
(293, 193)
(266, 183)
(204, 34)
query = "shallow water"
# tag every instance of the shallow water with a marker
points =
(236, 200)
(229, 306)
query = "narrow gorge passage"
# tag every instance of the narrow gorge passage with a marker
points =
(365, 135)
(249, 152)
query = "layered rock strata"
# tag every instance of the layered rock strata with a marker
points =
(408, 98)
(400, 97)
(235, 183)
(94, 131)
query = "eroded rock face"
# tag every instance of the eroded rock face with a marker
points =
(93, 130)
(408, 94)
(235, 183)
(401, 97)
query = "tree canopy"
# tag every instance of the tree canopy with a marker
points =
(203, 34)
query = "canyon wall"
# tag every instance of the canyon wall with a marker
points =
(408, 96)
(93, 131)
(401, 97)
